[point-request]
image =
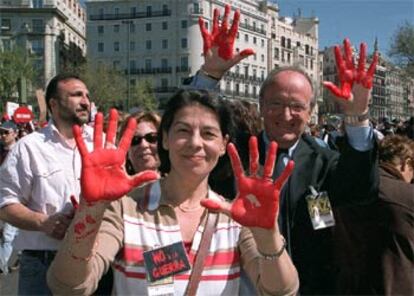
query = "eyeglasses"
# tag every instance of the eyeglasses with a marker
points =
(294, 107)
(151, 138)
(3, 132)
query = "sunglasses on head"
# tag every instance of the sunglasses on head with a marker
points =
(150, 138)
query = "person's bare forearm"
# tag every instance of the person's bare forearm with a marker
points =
(22, 217)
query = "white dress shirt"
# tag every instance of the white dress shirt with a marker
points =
(41, 172)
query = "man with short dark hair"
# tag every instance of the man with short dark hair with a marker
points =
(38, 178)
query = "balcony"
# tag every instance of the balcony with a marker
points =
(136, 15)
(180, 69)
(138, 71)
(196, 10)
(165, 89)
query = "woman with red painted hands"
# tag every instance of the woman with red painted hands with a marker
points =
(159, 239)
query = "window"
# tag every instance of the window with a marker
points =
(262, 57)
(297, 44)
(165, 25)
(184, 24)
(148, 64)
(101, 12)
(184, 62)
(38, 26)
(246, 71)
(148, 44)
(262, 75)
(164, 44)
(246, 90)
(37, 3)
(149, 10)
(37, 46)
(133, 11)
(288, 57)
(246, 37)
(100, 47)
(164, 83)
(237, 90)
(132, 45)
(289, 43)
(254, 40)
(116, 11)
(311, 64)
(116, 46)
(276, 56)
(132, 28)
(6, 44)
(254, 91)
(263, 43)
(164, 63)
(132, 65)
(148, 27)
(307, 49)
(283, 41)
(116, 28)
(164, 9)
(100, 29)
(254, 73)
(5, 24)
(184, 43)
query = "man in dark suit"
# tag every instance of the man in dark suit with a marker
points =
(286, 102)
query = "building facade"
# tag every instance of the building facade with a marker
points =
(160, 40)
(52, 32)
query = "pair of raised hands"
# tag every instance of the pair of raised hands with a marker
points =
(220, 56)
(103, 177)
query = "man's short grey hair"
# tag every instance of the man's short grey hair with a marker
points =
(295, 68)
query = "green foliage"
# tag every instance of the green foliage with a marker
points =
(14, 66)
(106, 85)
(142, 96)
(402, 47)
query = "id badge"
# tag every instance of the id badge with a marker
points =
(320, 210)
(164, 287)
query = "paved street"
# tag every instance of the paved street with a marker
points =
(8, 283)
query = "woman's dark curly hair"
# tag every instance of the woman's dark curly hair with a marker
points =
(184, 98)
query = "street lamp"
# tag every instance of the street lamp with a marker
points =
(128, 23)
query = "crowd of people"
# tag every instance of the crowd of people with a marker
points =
(213, 196)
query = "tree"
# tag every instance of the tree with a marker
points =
(106, 85)
(142, 96)
(402, 47)
(14, 66)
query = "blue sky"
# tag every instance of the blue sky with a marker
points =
(360, 20)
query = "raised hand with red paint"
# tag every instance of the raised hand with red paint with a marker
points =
(103, 176)
(355, 83)
(257, 201)
(218, 45)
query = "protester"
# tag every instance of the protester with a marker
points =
(286, 100)
(38, 178)
(143, 154)
(8, 138)
(194, 131)
(383, 262)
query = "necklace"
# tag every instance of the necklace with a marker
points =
(188, 209)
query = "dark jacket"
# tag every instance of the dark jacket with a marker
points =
(376, 242)
(349, 178)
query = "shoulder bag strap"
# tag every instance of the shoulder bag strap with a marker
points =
(201, 254)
